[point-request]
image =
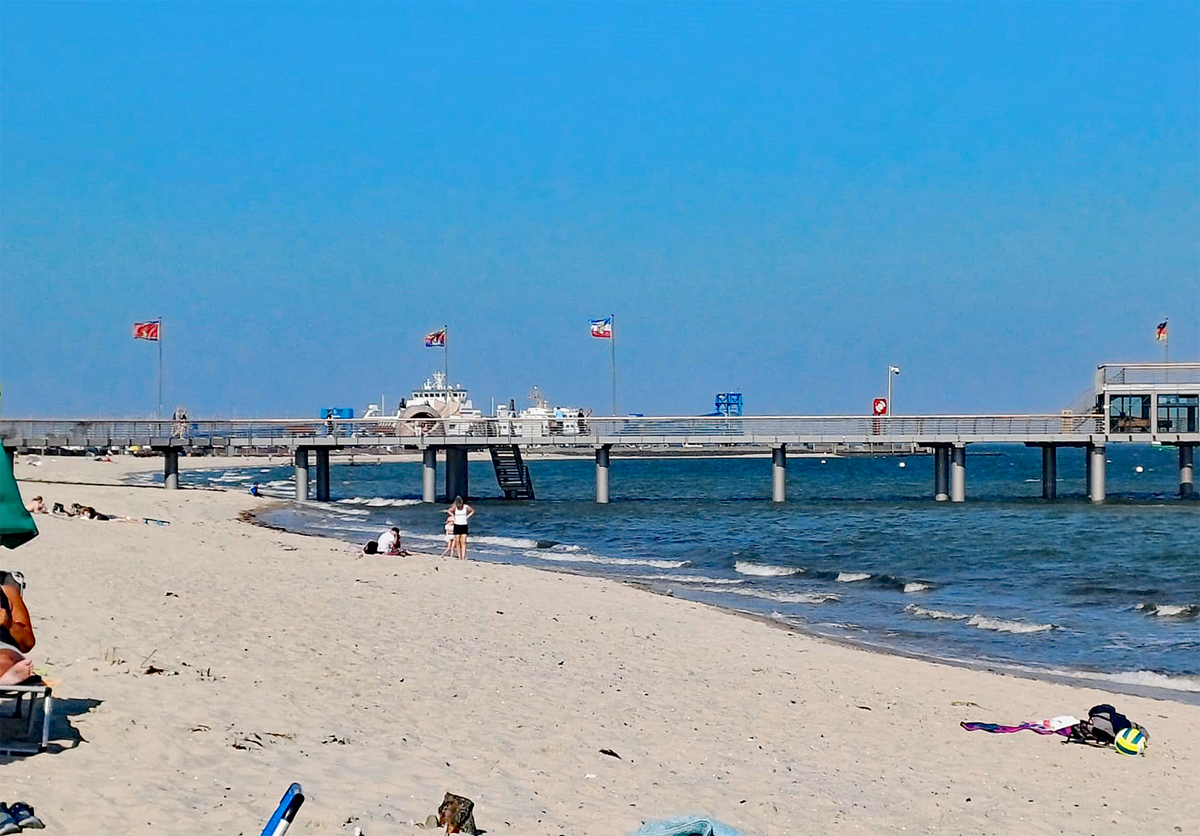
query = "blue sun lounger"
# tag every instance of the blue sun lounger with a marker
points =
(285, 812)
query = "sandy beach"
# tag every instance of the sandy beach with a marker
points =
(204, 665)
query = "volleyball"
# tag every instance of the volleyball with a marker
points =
(1130, 741)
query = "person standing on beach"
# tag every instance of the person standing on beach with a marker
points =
(450, 538)
(461, 513)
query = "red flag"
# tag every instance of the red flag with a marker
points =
(436, 338)
(146, 330)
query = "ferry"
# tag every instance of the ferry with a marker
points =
(439, 401)
(541, 419)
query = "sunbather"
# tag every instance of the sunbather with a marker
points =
(37, 506)
(16, 632)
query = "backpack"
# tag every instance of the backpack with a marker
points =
(1102, 726)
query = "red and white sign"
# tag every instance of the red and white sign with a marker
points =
(880, 406)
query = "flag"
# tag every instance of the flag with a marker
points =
(602, 328)
(1161, 336)
(435, 339)
(146, 330)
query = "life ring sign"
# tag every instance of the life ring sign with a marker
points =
(880, 406)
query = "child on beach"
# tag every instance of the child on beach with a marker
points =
(451, 540)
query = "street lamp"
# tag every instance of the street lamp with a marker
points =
(891, 371)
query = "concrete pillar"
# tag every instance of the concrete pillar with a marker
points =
(1187, 470)
(602, 473)
(429, 475)
(1049, 471)
(958, 473)
(941, 473)
(1095, 454)
(779, 473)
(456, 472)
(301, 461)
(322, 474)
(171, 468)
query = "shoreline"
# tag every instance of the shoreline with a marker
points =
(214, 653)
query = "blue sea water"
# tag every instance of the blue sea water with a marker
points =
(859, 552)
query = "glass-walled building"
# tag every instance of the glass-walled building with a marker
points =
(1149, 398)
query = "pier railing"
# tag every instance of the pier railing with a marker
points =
(619, 430)
(1147, 374)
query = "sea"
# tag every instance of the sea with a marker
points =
(1101, 594)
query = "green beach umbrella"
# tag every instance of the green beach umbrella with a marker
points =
(16, 523)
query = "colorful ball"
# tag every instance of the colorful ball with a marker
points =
(1130, 741)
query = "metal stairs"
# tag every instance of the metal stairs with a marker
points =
(511, 472)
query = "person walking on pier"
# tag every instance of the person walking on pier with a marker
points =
(460, 512)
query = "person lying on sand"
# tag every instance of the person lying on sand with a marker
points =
(90, 513)
(16, 632)
(36, 506)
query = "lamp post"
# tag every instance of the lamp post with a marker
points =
(891, 371)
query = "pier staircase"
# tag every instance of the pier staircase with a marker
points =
(511, 472)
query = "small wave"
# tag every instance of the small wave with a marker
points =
(781, 597)
(1001, 625)
(586, 557)
(765, 570)
(1170, 610)
(378, 502)
(917, 586)
(921, 612)
(1153, 679)
(688, 579)
(509, 542)
(851, 577)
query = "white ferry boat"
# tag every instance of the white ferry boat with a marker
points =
(444, 404)
(541, 419)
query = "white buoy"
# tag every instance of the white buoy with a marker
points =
(902, 464)
(1138, 469)
(822, 461)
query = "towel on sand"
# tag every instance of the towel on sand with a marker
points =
(690, 826)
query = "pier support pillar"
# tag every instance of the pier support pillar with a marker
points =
(301, 461)
(958, 473)
(456, 472)
(171, 468)
(602, 473)
(429, 475)
(1049, 471)
(1095, 472)
(941, 473)
(779, 473)
(322, 474)
(1186, 470)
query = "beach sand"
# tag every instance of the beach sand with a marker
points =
(381, 683)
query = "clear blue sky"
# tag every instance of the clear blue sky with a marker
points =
(775, 199)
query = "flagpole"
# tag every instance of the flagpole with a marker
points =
(160, 342)
(612, 319)
(446, 355)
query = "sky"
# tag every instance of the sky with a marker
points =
(781, 200)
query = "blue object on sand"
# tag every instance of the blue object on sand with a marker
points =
(688, 826)
(285, 812)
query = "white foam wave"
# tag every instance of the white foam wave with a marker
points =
(587, 557)
(765, 570)
(780, 597)
(921, 612)
(1152, 679)
(689, 579)
(1001, 625)
(917, 586)
(507, 542)
(1170, 610)
(851, 577)
(378, 502)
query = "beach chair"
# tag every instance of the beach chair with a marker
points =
(285, 812)
(26, 698)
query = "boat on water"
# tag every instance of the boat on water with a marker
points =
(437, 403)
(541, 419)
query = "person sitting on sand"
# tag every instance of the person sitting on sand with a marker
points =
(36, 506)
(16, 632)
(389, 543)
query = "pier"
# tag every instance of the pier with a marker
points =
(1135, 403)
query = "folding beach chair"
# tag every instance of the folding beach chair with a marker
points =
(285, 812)
(30, 744)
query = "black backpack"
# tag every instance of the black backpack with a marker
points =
(1102, 726)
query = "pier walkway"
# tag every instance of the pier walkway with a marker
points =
(1135, 403)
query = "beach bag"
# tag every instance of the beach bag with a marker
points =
(1102, 726)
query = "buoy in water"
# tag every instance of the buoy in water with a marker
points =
(902, 464)
(1138, 469)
